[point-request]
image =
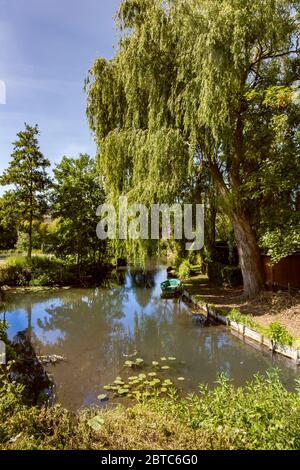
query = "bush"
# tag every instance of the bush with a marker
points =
(243, 319)
(15, 272)
(37, 271)
(184, 270)
(279, 334)
(275, 331)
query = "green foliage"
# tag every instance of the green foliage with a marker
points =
(260, 415)
(22, 242)
(15, 272)
(232, 276)
(8, 222)
(219, 274)
(275, 331)
(243, 319)
(279, 334)
(281, 242)
(184, 270)
(3, 330)
(201, 91)
(37, 271)
(77, 193)
(27, 172)
(257, 416)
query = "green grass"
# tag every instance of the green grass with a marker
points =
(260, 415)
(194, 283)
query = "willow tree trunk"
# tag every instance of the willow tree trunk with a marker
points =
(249, 254)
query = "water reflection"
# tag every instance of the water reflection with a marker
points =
(96, 329)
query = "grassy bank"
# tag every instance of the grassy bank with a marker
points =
(261, 415)
(44, 271)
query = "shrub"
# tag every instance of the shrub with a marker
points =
(15, 272)
(184, 270)
(247, 320)
(37, 271)
(275, 331)
(279, 334)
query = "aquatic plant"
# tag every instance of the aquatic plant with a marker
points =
(275, 331)
(260, 415)
(144, 385)
(247, 320)
(96, 423)
(102, 397)
(279, 334)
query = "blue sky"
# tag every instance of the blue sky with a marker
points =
(46, 49)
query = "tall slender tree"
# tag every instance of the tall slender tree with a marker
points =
(27, 171)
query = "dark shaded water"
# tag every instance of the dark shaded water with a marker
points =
(95, 329)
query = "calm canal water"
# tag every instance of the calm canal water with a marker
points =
(96, 329)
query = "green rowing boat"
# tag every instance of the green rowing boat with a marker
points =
(171, 286)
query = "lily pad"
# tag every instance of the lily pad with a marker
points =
(103, 397)
(155, 363)
(152, 383)
(165, 368)
(142, 376)
(139, 361)
(108, 387)
(163, 359)
(172, 358)
(96, 423)
(167, 382)
(119, 382)
(181, 379)
(122, 391)
(152, 374)
(129, 364)
(163, 389)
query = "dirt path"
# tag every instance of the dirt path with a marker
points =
(267, 308)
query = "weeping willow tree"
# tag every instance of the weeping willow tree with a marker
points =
(185, 93)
